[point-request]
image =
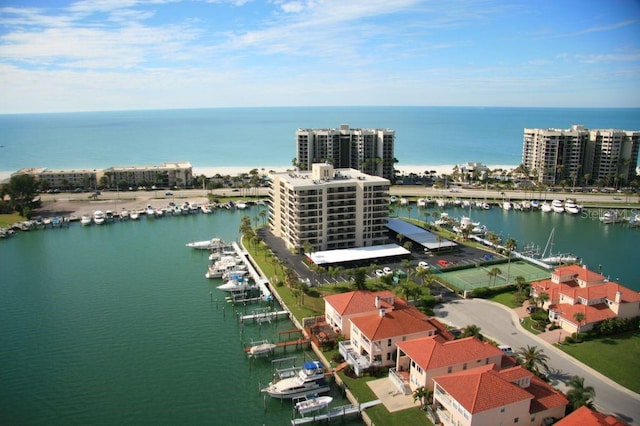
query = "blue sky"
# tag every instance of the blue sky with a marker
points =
(153, 54)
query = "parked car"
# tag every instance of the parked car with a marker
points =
(379, 273)
(506, 349)
(423, 265)
(531, 309)
(387, 270)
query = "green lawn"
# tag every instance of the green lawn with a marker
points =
(616, 357)
(379, 414)
(505, 299)
(10, 219)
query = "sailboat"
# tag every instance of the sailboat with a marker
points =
(556, 259)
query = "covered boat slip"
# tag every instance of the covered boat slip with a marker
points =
(419, 235)
(356, 255)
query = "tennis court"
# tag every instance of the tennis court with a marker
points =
(482, 276)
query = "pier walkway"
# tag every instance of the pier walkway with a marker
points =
(260, 281)
(336, 412)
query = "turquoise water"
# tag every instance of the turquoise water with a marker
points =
(115, 325)
(256, 137)
(611, 249)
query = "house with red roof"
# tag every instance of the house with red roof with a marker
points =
(488, 396)
(575, 293)
(584, 416)
(339, 309)
(374, 322)
(418, 361)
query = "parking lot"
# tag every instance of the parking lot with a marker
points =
(435, 261)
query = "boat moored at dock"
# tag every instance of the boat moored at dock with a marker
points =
(309, 380)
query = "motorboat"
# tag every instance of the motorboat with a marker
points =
(225, 264)
(557, 206)
(560, 259)
(211, 244)
(241, 205)
(134, 215)
(309, 380)
(486, 206)
(205, 208)
(85, 220)
(545, 207)
(571, 207)
(422, 202)
(124, 214)
(263, 348)
(314, 403)
(506, 205)
(108, 216)
(535, 204)
(610, 216)
(98, 217)
(237, 283)
(526, 205)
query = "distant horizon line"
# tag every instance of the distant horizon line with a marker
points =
(312, 106)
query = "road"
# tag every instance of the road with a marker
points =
(501, 324)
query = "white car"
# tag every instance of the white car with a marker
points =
(379, 273)
(423, 265)
(387, 270)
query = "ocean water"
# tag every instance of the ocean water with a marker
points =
(256, 137)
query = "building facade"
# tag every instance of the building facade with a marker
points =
(580, 156)
(62, 179)
(166, 175)
(328, 208)
(370, 151)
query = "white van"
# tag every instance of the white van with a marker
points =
(506, 349)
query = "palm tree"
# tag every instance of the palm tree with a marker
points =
(510, 245)
(532, 359)
(520, 282)
(579, 394)
(472, 330)
(423, 394)
(494, 272)
(579, 317)
(542, 299)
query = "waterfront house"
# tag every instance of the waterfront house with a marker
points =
(487, 396)
(418, 361)
(339, 309)
(575, 293)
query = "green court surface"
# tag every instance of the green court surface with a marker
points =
(471, 278)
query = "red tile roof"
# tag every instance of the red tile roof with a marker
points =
(584, 416)
(484, 388)
(361, 301)
(579, 272)
(592, 313)
(481, 389)
(430, 353)
(393, 324)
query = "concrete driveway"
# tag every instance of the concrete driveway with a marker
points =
(502, 324)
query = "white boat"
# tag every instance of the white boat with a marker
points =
(571, 207)
(526, 205)
(225, 264)
(237, 283)
(263, 348)
(314, 403)
(506, 205)
(635, 221)
(557, 206)
(85, 220)
(610, 216)
(134, 215)
(150, 211)
(108, 216)
(206, 209)
(545, 207)
(422, 202)
(308, 381)
(486, 206)
(535, 204)
(124, 214)
(98, 217)
(560, 259)
(211, 244)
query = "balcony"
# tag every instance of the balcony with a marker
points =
(401, 382)
(353, 358)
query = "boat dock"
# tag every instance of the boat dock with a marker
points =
(260, 281)
(262, 316)
(336, 412)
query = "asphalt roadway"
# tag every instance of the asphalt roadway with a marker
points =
(502, 324)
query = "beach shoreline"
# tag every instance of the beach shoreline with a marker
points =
(211, 171)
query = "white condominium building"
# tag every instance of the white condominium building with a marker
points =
(328, 208)
(580, 156)
(370, 151)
